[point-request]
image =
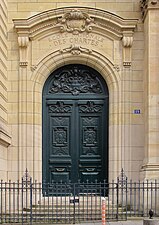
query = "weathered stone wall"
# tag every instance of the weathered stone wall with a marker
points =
(4, 131)
(3, 62)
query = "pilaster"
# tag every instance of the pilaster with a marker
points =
(150, 11)
(23, 41)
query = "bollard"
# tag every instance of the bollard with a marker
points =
(103, 211)
(151, 220)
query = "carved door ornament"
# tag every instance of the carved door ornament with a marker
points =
(60, 107)
(75, 81)
(76, 22)
(90, 107)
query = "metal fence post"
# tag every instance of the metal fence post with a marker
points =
(1, 201)
(126, 189)
(31, 201)
(74, 210)
(22, 201)
(117, 201)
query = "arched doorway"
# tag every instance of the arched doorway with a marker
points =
(75, 125)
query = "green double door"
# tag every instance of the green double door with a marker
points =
(75, 134)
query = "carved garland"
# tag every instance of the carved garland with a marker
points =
(76, 50)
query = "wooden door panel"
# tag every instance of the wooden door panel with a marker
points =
(91, 139)
(75, 125)
(59, 157)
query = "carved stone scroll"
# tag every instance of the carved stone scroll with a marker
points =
(127, 44)
(23, 48)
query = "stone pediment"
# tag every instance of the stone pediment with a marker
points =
(75, 21)
(74, 30)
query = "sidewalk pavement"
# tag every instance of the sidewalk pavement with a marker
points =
(128, 222)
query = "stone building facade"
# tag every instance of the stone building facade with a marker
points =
(116, 39)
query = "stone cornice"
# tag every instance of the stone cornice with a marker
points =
(5, 139)
(73, 20)
(146, 5)
(150, 167)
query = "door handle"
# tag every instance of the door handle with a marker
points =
(90, 169)
(60, 169)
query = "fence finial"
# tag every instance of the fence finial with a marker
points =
(122, 179)
(26, 178)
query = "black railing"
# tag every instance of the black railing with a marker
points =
(33, 202)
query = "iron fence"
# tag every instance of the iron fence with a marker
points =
(30, 202)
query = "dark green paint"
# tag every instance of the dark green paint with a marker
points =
(75, 125)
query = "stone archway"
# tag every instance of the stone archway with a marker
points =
(110, 75)
(91, 44)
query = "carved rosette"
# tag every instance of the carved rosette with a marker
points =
(23, 48)
(146, 4)
(117, 67)
(75, 22)
(76, 50)
(127, 44)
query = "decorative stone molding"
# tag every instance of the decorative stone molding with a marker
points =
(33, 68)
(145, 5)
(76, 50)
(5, 139)
(127, 44)
(127, 41)
(126, 64)
(117, 67)
(75, 22)
(23, 48)
(150, 167)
